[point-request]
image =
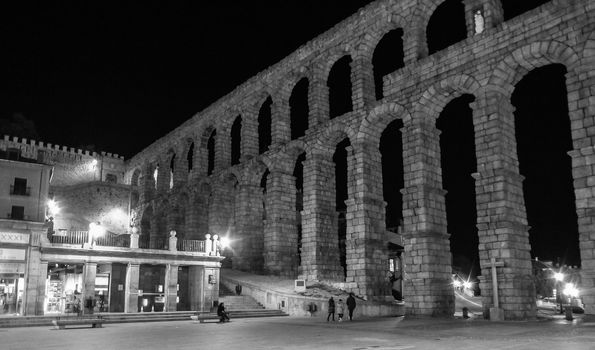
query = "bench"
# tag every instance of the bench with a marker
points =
(204, 317)
(62, 323)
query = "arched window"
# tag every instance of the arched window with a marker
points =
(172, 167)
(190, 156)
(211, 152)
(264, 126)
(236, 140)
(299, 110)
(387, 58)
(339, 85)
(446, 26)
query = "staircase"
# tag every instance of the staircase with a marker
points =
(239, 306)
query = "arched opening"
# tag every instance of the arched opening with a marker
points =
(190, 157)
(458, 160)
(172, 167)
(264, 126)
(391, 150)
(236, 140)
(134, 179)
(298, 107)
(298, 173)
(446, 26)
(263, 186)
(339, 85)
(340, 160)
(211, 152)
(543, 137)
(387, 58)
(513, 8)
(155, 175)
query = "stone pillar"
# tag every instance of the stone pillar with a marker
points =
(131, 288)
(320, 246)
(280, 124)
(249, 134)
(171, 287)
(427, 258)
(180, 167)
(34, 296)
(163, 176)
(280, 233)
(581, 108)
(196, 277)
(318, 99)
(248, 244)
(89, 274)
(367, 253)
(501, 218)
(222, 148)
(173, 241)
(134, 240)
(362, 77)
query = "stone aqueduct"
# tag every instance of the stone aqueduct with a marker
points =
(197, 189)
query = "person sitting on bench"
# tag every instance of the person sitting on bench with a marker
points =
(223, 315)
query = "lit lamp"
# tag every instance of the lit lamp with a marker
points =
(95, 230)
(570, 291)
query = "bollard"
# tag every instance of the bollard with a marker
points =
(465, 312)
(569, 313)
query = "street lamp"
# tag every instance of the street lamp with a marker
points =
(95, 230)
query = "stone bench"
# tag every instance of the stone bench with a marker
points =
(203, 317)
(62, 323)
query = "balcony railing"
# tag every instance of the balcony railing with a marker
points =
(112, 240)
(20, 190)
(12, 216)
(82, 237)
(155, 243)
(191, 245)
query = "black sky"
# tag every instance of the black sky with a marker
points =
(121, 75)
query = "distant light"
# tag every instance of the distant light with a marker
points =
(95, 229)
(467, 285)
(570, 290)
(224, 242)
(559, 276)
(457, 283)
(53, 208)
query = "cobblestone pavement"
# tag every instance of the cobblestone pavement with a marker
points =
(313, 333)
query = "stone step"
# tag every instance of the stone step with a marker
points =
(34, 321)
(240, 302)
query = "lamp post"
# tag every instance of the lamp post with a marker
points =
(559, 277)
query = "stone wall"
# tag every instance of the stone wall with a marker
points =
(93, 202)
(486, 65)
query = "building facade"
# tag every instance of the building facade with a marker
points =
(66, 246)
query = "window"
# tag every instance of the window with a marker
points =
(17, 213)
(20, 187)
(111, 178)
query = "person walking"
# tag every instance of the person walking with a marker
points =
(223, 315)
(340, 309)
(351, 305)
(331, 309)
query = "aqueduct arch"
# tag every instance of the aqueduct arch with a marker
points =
(487, 64)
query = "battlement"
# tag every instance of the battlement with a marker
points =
(31, 146)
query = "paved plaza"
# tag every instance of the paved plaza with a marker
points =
(313, 333)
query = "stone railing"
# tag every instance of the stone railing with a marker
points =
(82, 237)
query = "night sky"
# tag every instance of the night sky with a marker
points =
(121, 76)
(118, 76)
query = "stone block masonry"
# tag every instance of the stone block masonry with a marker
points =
(255, 202)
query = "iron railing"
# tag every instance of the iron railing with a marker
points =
(20, 190)
(191, 245)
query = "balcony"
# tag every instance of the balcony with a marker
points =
(20, 190)
(17, 216)
(123, 241)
